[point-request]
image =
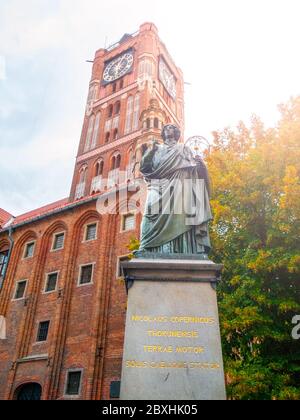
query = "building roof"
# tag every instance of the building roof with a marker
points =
(4, 217)
(49, 208)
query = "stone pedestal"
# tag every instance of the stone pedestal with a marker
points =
(172, 347)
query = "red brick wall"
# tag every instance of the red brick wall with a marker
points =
(86, 323)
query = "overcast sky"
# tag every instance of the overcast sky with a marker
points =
(239, 56)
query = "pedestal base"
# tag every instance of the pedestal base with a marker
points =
(172, 345)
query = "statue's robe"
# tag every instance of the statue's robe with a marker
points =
(177, 210)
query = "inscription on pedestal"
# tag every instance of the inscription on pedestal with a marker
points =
(172, 345)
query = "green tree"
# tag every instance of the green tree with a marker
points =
(256, 235)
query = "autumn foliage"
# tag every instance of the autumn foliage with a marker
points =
(255, 175)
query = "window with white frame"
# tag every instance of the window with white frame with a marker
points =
(86, 274)
(58, 241)
(43, 330)
(128, 222)
(51, 282)
(73, 383)
(20, 290)
(91, 232)
(29, 250)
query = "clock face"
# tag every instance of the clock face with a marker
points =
(118, 67)
(167, 78)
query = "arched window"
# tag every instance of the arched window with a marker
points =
(130, 164)
(89, 133)
(113, 163)
(129, 113)
(107, 137)
(99, 168)
(130, 156)
(121, 84)
(146, 67)
(29, 392)
(116, 134)
(141, 67)
(156, 123)
(96, 131)
(136, 113)
(114, 87)
(3, 262)
(110, 111)
(118, 162)
(82, 174)
(148, 123)
(117, 108)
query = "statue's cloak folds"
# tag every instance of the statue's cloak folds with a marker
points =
(177, 205)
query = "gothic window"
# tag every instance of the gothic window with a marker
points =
(110, 111)
(156, 123)
(141, 67)
(96, 131)
(3, 261)
(89, 133)
(108, 125)
(136, 113)
(146, 67)
(129, 112)
(92, 94)
(116, 134)
(130, 159)
(99, 168)
(114, 87)
(116, 121)
(117, 108)
(121, 84)
(107, 137)
(148, 123)
(82, 175)
(118, 162)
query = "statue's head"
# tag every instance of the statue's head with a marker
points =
(170, 134)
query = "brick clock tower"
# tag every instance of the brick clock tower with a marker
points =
(62, 298)
(135, 89)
